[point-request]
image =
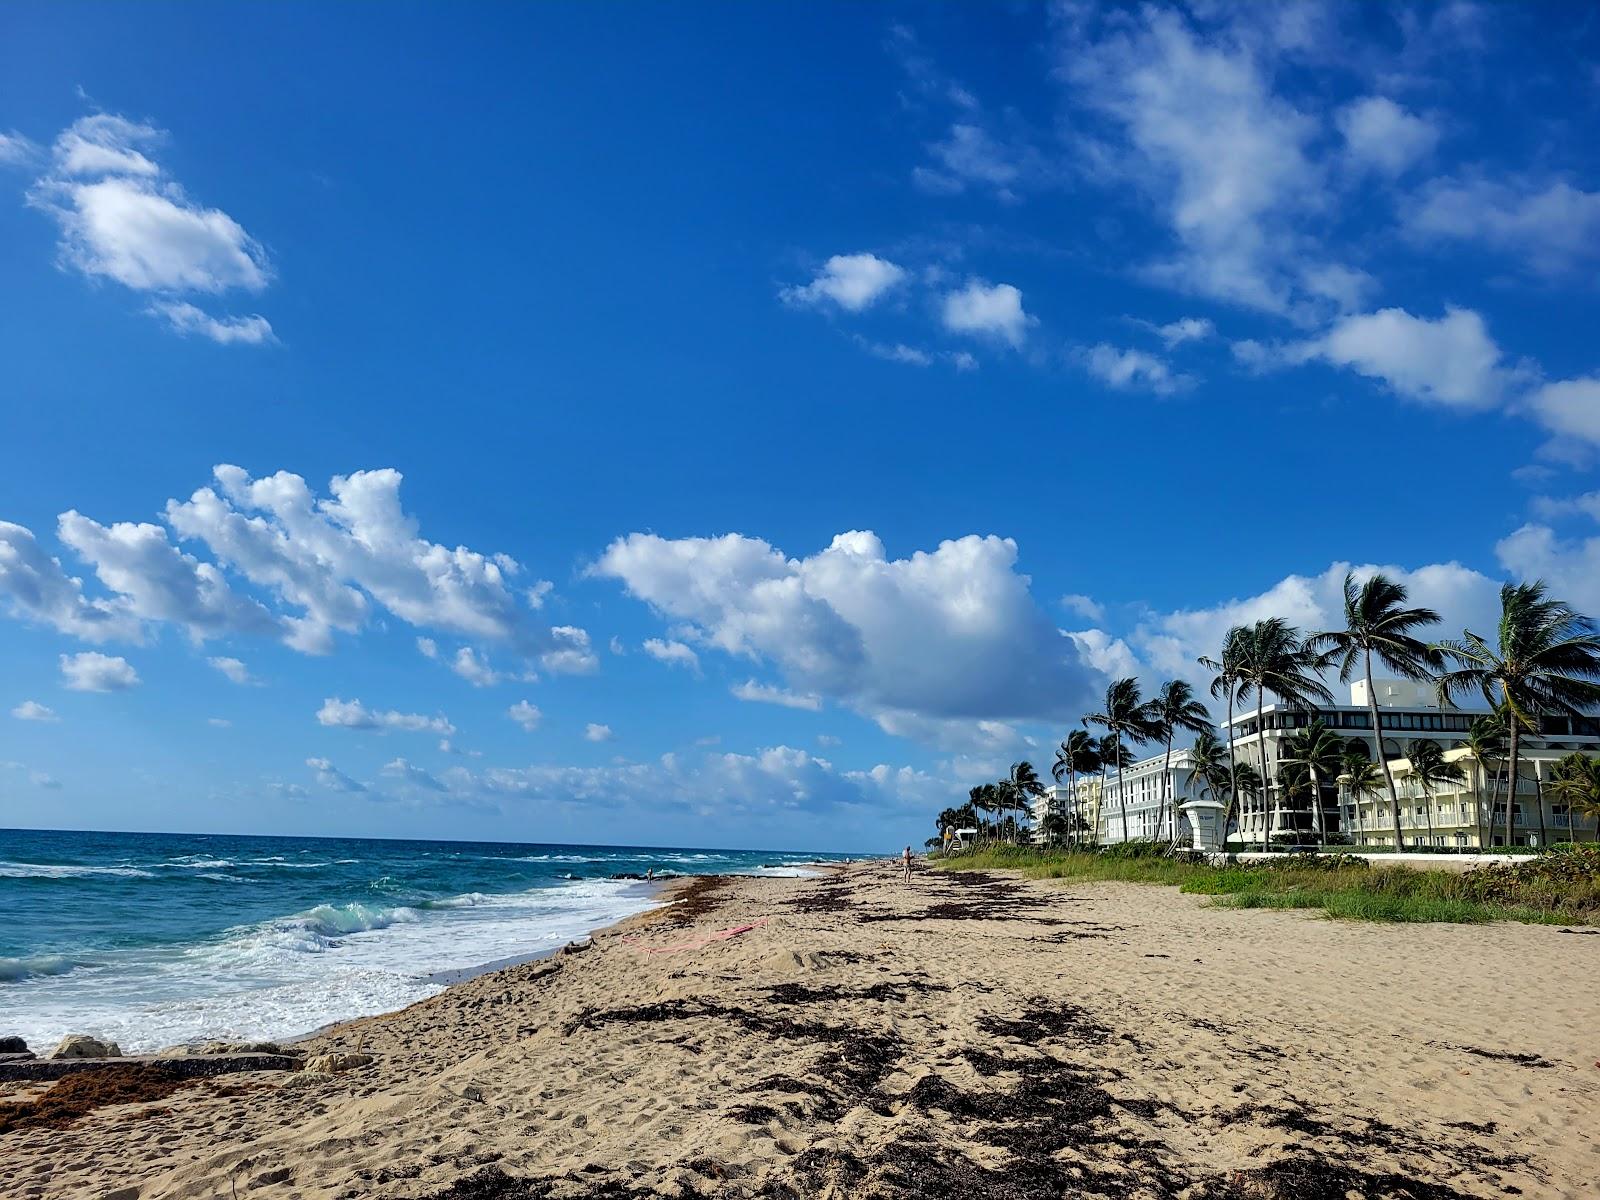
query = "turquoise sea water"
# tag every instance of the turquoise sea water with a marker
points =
(156, 939)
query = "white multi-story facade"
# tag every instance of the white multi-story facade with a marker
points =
(1457, 815)
(1141, 791)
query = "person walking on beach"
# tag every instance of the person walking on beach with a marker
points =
(905, 860)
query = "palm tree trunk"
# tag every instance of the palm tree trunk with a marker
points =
(1166, 789)
(1233, 776)
(1427, 806)
(1512, 765)
(1261, 748)
(1316, 807)
(1122, 799)
(1377, 742)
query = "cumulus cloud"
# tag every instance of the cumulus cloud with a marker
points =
(219, 722)
(852, 624)
(122, 218)
(765, 693)
(32, 710)
(333, 558)
(1168, 643)
(473, 669)
(183, 317)
(594, 732)
(1552, 227)
(1382, 136)
(235, 670)
(93, 672)
(1133, 370)
(41, 779)
(987, 310)
(412, 774)
(852, 282)
(155, 581)
(673, 653)
(352, 714)
(1569, 408)
(36, 588)
(772, 781)
(526, 715)
(1570, 565)
(1186, 329)
(1450, 361)
(570, 652)
(330, 777)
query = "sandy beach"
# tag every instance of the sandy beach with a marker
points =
(966, 1035)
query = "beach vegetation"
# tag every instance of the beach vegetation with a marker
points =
(1557, 886)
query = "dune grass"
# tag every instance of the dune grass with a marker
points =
(1560, 888)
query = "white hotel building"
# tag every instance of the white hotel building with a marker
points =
(1456, 816)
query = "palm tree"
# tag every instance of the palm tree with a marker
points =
(1295, 784)
(1486, 742)
(1318, 750)
(1377, 623)
(984, 799)
(1244, 780)
(1361, 779)
(1272, 657)
(1023, 786)
(1430, 768)
(1575, 780)
(1112, 753)
(1547, 661)
(1075, 756)
(1225, 686)
(1171, 709)
(1126, 716)
(1209, 767)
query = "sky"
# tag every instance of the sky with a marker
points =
(748, 425)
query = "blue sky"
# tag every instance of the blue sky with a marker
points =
(747, 425)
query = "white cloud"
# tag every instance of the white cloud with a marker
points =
(32, 710)
(765, 693)
(1193, 122)
(36, 588)
(598, 733)
(330, 777)
(525, 714)
(1382, 136)
(16, 150)
(184, 317)
(473, 669)
(1133, 370)
(1569, 408)
(852, 624)
(1168, 643)
(412, 774)
(219, 722)
(428, 648)
(1186, 329)
(853, 282)
(987, 310)
(122, 218)
(570, 652)
(771, 781)
(673, 653)
(352, 714)
(233, 669)
(970, 155)
(155, 581)
(617, 647)
(1553, 227)
(1450, 360)
(1571, 566)
(333, 557)
(92, 672)
(1085, 606)
(40, 779)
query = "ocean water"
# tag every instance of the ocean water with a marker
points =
(157, 939)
